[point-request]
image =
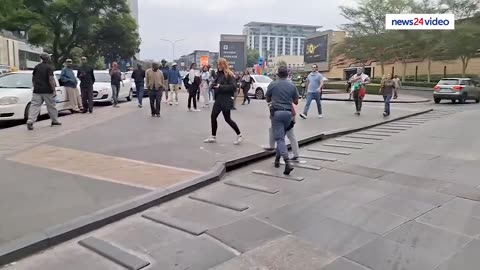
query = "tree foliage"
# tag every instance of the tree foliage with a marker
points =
(99, 27)
(282, 63)
(252, 57)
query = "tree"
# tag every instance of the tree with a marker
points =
(461, 8)
(282, 63)
(252, 57)
(62, 25)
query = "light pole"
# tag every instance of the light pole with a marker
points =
(173, 42)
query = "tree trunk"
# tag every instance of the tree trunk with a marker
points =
(404, 71)
(429, 69)
(382, 66)
(465, 61)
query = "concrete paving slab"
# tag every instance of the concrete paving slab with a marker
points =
(344, 264)
(114, 254)
(437, 241)
(353, 141)
(314, 157)
(44, 198)
(383, 254)
(412, 181)
(286, 253)
(232, 205)
(356, 169)
(363, 137)
(252, 187)
(370, 220)
(336, 237)
(466, 259)
(329, 151)
(383, 131)
(409, 209)
(445, 219)
(463, 207)
(343, 146)
(246, 234)
(176, 223)
(279, 175)
(372, 134)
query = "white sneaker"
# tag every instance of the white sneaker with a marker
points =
(320, 116)
(196, 110)
(176, 103)
(303, 116)
(238, 140)
(211, 139)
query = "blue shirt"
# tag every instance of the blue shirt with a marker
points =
(314, 79)
(282, 92)
(174, 76)
(68, 77)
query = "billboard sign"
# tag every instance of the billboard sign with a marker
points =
(316, 49)
(204, 60)
(234, 52)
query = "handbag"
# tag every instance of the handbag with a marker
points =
(361, 92)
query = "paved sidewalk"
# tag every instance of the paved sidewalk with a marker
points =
(53, 175)
(393, 200)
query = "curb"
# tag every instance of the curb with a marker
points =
(50, 237)
(379, 101)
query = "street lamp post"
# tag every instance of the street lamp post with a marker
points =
(173, 42)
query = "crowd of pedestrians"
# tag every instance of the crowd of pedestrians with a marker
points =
(221, 87)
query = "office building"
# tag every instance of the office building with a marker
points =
(16, 53)
(195, 57)
(277, 39)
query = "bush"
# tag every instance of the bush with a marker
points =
(411, 83)
(372, 89)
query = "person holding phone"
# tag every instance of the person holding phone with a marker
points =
(359, 82)
(225, 85)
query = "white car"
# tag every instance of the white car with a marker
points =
(102, 88)
(260, 85)
(16, 95)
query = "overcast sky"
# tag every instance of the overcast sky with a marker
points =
(200, 22)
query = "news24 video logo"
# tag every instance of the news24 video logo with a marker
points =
(420, 22)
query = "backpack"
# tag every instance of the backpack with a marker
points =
(186, 81)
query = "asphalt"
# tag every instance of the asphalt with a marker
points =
(406, 201)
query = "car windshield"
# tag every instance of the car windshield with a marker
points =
(102, 77)
(16, 80)
(448, 82)
(262, 79)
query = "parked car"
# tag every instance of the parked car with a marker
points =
(461, 89)
(16, 94)
(102, 89)
(260, 85)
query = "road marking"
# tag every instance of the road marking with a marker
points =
(103, 167)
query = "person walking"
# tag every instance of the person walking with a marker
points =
(87, 79)
(175, 82)
(387, 89)
(138, 75)
(291, 137)
(205, 85)
(225, 86)
(398, 85)
(156, 87)
(314, 92)
(43, 91)
(69, 81)
(115, 81)
(246, 84)
(165, 71)
(193, 88)
(359, 82)
(281, 94)
(213, 75)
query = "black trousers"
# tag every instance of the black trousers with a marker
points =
(358, 100)
(225, 109)
(192, 96)
(87, 98)
(155, 101)
(245, 94)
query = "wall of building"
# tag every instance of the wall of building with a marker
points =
(18, 54)
(293, 61)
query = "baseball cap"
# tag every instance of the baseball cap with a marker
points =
(44, 56)
(174, 64)
(69, 61)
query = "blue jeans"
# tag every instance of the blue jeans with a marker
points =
(140, 91)
(280, 122)
(115, 92)
(310, 97)
(387, 99)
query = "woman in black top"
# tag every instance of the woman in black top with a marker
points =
(246, 84)
(224, 86)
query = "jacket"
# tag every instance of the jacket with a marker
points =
(174, 76)
(226, 91)
(138, 75)
(86, 76)
(165, 70)
(68, 77)
(155, 80)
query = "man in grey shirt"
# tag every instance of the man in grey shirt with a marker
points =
(281, 94)
(314, 86)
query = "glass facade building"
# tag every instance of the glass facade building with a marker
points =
(275, 39)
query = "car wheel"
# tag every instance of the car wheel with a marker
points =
(130, 95)
(437, 100)
(477, 100)
(454, 100)
(462, 99)
(259, 94)
(27, 111)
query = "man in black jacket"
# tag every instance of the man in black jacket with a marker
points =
(138, 76)
(87, 79)
(165, 70)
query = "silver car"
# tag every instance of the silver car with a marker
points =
(461, 89)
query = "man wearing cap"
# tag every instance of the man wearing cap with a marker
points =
(165, 71)
(175, 81)
(87, 79)
(69, 81)
(43, 91)
(281, 94)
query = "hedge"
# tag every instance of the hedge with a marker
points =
(372, 88)
(410, 83)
